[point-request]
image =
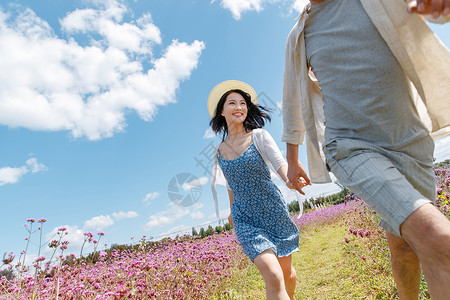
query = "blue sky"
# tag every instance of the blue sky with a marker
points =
(103, 110)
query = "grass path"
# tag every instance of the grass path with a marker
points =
(321, 265)
(325, 270)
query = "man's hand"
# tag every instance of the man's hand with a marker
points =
(297, 177)
(435, 8)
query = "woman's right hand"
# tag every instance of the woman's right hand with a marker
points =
(230, 220)
(291, 185)
(297, 176)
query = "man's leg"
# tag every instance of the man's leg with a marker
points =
(373, 174)
(427, 231)
(405, 267)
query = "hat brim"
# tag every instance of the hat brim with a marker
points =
(223, 87)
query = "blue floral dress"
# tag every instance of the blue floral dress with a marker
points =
(260, 216)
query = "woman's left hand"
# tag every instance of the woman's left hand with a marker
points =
(291, 185)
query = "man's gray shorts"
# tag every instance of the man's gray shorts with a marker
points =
(393, 183)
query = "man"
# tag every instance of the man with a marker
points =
(366, 83)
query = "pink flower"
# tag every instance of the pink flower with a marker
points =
(31, 220)
(42, 220)
(40, 258)
(9, 259)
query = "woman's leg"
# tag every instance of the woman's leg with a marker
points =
(290, 276)
(270, 269)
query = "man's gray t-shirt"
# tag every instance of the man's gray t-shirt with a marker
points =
(366, 93)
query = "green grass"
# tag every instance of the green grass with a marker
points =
(329, 268)
(321, 265)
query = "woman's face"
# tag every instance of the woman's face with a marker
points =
(234, 109)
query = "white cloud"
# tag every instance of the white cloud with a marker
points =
(209, 134)
(149, 197)
(237, 7)
(9, 175)
(197, 206)
(442, 149)
(54, 84)
(196, 215)
(12, 175)
(167, 217)
(299, 5)
(73, 235)
(187, 186)
(125, 215)
(223, 214)
(99, 222)
(136, 38)
(177, 230)
(35, 166)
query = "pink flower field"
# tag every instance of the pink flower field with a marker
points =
(185, 267)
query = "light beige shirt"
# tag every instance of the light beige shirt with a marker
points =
(423, 57)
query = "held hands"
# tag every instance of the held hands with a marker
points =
(297, 177)
(291, 185)
(435, 8)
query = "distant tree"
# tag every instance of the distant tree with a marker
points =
(8, 273)
(209, 231)
(294, 206)
(219, 229)
(194, 232)
(202, 232)
(227, 227)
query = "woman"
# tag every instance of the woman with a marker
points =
(258, 211)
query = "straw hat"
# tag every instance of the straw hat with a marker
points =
(223, 87)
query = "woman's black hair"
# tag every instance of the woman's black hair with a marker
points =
(257, 115)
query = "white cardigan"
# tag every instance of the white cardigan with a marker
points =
(266, 147)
